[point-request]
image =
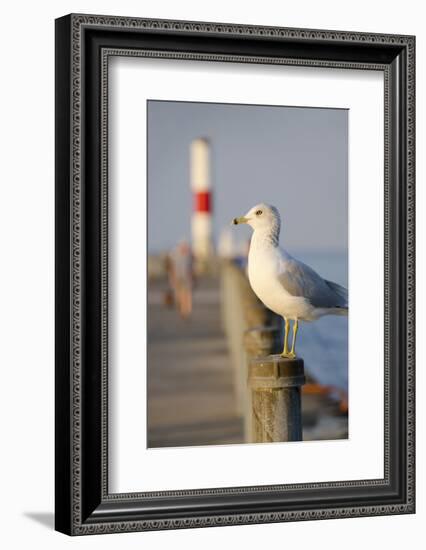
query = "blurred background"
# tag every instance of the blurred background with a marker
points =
(208, 163)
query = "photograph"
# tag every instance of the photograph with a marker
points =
(248, 297)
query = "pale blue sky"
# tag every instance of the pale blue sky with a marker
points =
(293, 158)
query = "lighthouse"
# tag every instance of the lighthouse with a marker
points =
(201, 225)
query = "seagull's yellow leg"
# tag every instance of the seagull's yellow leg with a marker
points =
(293, 344)
(286, 331)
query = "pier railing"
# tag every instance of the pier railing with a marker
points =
(267, 386)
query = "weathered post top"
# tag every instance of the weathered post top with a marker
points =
(275, 371)
(275, 383)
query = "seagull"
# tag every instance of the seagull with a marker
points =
(285, 285)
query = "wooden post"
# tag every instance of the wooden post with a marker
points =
(258, 342)
(275, 384)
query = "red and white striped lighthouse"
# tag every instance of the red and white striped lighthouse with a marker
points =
(202, 210)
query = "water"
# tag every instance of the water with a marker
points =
(323, 344)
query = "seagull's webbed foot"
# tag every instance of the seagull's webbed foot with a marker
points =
(288, 355)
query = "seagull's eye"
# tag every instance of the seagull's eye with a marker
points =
(258, 212)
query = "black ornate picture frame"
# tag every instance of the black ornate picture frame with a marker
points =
(84, 44)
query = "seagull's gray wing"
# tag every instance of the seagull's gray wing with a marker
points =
(301, 280)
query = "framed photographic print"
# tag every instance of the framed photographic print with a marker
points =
(234, 274)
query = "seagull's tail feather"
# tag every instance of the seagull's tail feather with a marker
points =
(340, 310)
(342, 294)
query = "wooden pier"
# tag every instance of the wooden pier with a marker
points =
(191, 399)
(198, 391)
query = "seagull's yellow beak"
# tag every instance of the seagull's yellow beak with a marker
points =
(236, 221)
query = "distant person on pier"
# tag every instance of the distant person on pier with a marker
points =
(182, 277)
(169, 296)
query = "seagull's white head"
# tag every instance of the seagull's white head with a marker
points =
(263, 217)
